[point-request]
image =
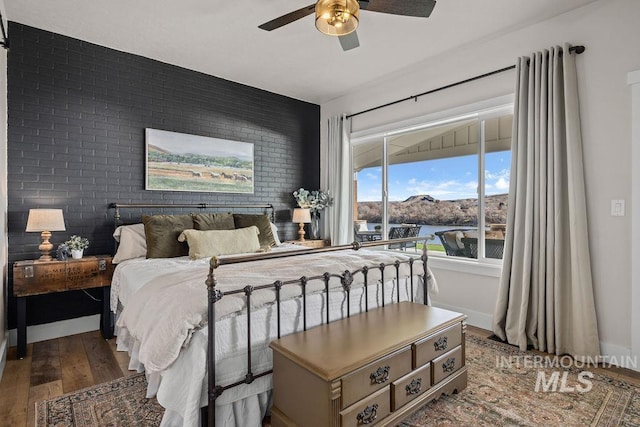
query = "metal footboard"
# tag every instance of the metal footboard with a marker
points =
(346, 279)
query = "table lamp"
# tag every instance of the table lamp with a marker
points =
(302, 216)
(45, 221)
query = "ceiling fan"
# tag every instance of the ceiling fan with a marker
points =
(341, 17)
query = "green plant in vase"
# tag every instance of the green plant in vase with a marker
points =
(315, 201)
(76, 245)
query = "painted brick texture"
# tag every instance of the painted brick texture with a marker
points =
(76, 119)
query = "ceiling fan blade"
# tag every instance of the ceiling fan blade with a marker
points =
(418, 8)
(288, 18)
(349, 41)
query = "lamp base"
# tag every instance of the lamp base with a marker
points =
(46, 246)
(301, 232)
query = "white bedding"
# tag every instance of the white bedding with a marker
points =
(180, 382)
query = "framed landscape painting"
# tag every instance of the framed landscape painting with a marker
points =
(182, 162)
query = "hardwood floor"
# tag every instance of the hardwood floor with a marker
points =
(52, 368)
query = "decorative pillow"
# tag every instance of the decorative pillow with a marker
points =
(213, 221)
(274, 231)
(162, 233)
(208, 243)
(132, 242)
(260, 221)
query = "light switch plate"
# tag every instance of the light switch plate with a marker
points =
(617, 208)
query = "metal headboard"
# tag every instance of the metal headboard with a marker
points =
(266, 207)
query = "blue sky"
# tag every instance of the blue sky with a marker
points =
(445, 179)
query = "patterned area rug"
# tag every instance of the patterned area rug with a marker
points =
(120, 402)
(508, 387)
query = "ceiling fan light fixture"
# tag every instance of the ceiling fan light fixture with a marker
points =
(337, 17)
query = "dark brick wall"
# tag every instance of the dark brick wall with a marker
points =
(77, 114)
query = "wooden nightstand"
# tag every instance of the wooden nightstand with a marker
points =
(311, 243)
(44, 277)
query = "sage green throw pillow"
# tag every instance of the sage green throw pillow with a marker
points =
(208, 243)
(213, 221)
(162, 231)
(261, 221)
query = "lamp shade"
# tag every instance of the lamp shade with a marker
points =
(45, 220)
(301, 215)
(337, 17)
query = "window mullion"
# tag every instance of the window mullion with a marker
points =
(481, 190)
(385, 189)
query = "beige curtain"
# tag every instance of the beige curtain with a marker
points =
(545, 296)
(339, 179)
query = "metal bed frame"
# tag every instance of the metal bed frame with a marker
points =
(266, 207)
(346, 279)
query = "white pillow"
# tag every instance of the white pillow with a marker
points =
(132, 242)
(208, 243)
(274, 231)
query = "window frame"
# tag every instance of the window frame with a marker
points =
(480, 111)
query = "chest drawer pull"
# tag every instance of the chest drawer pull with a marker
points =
(380, 375)
(368, 415)
(414, 386)
(449, 365)
(441, 344)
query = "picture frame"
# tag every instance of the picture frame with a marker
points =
(183, 162)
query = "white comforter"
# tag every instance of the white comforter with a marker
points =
(160, 316)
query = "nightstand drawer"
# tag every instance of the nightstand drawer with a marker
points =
(42, 277)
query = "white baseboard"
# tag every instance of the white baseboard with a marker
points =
(4, 346)
(63, 328)
(474, 318)
(619, 356)
(611, 353)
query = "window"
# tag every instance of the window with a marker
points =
(448, 178)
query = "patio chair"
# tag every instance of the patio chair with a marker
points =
(396, 233)
(493, 248)
(411, 231)
(449, 240)
(363, 234)
(402, 232)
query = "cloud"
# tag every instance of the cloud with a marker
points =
(497, 182)
(371, 176)
(496, 175)
(502, 184)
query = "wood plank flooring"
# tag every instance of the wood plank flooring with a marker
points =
(55, 367)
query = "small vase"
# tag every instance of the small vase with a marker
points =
(314, 227)
(76, 253)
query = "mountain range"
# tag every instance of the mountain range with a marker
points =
(427, 210)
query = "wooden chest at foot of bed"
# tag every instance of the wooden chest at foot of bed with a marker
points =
(373, 368)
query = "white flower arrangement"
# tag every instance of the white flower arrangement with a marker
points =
(315, 200)
(77, 243)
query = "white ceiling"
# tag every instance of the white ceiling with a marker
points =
(222, 38)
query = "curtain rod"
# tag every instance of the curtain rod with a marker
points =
(575, 49)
